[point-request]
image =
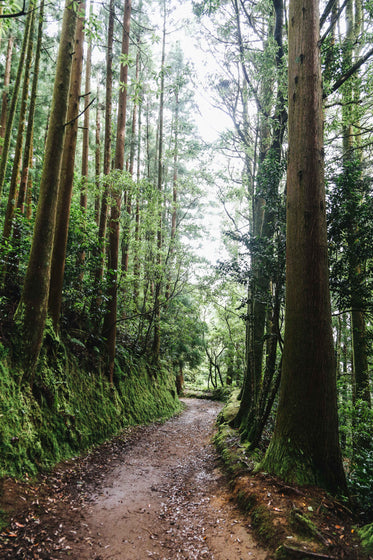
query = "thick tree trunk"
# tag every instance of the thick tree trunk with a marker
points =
(305, 447)
(31, 313)
(66, 177)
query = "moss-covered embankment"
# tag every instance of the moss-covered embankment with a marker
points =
(71, 408)
(293, 522)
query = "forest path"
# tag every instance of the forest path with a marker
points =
(168, 500)
(155, 492)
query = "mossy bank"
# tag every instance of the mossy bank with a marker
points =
(72, 407)
(291, 521)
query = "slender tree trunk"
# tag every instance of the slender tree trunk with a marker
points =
(66, 177)
(13, 188)
(352, 169)
(107, 148)
(110, 322)
(266, 207)
(31, 313)
(128, 197)
(158, 281)
(27, 155)
(98, 161)
(305, 446)
(14, 100)
(4, 104)
(85, 154)
(174, 195)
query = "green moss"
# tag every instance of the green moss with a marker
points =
(262, 521)
(366, 536)
(70, 409)
(287, 462)
(230, 409)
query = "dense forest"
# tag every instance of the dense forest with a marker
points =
(112, 294)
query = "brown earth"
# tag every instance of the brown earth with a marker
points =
(153, 492)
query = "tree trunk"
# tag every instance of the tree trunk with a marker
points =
(13, 104)
(110, 323)
(27, 155)
(266, 209)
(97, 161)
(4, 104)
(305, 447)
(66, 177)
(99, 273)
(31, 313)
(13, 187)
(158, 280)
(352, 170)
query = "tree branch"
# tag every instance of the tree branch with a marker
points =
(349, 73)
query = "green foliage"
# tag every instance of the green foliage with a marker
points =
(366, 536)
(360, 470)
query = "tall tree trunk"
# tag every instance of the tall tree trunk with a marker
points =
(27, 155)
(305, 446)
(352, 170)
(174, 194)
(85, 153)
(158, 276)
(110, 322)
(99, 273)
(5, 95)
(97, 161)
(128, 194)
(14, 100)
(31, 313)
(66, 177)
(13, 188)
(266, 209)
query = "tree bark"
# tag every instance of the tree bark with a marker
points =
(13, 187)
(110, 323)
(27, 155)
(31, 313)
(158, 280)
(13, 102)
(66, 177)
(99, 273)
(4, 104)
(305, 447)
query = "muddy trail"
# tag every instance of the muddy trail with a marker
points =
(154, 492)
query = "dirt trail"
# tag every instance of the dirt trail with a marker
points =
(160, 495)
(168, 499)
